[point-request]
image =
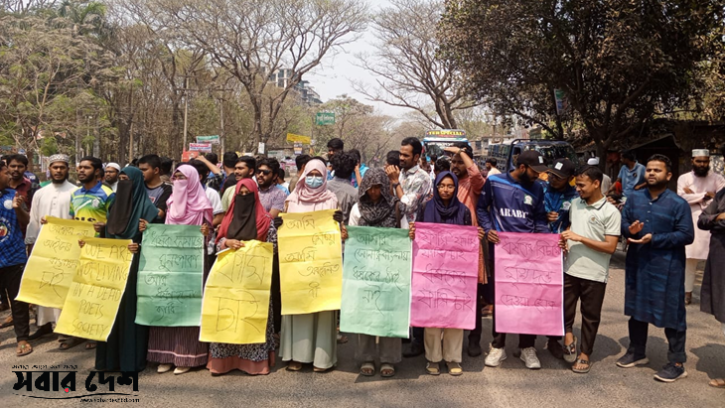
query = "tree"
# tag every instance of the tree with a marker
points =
(254, 39)
(617, 62)
(410, 72)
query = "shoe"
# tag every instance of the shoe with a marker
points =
(474, 349)
(629, 360)
(181, 370)
(42, 331)
(555, 349)
(671, 373)
(414, 350)
(688, 298)
(164, 368)
(528, 356)
(495, 357)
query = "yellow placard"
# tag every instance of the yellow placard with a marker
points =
(235, 307)
(52, 264)
(310, 262)
(92, 304)
(291, 137)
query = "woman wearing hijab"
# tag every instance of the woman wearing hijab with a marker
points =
(378, 208)
(180, 346)
(310, 338)
(125, 349)
(245, 220)
(444, 208)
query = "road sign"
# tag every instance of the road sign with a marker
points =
(200, 147)
(291, 137)
(325, 118)
(213, 139)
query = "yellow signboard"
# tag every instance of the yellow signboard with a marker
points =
(235, 307)
(52, 264)
(291, 137)
(92, 303)
(310, 262)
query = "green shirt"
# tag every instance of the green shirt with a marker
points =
(594, 222)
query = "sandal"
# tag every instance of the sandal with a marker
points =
(24, 348)
(294, 366)
(432, 368)
(70, 343)
(717, 383)
(570, 352)
(454, 369)
(368, 369)
(387, 370)
(322, 370)
(91, 345)
(586, 363)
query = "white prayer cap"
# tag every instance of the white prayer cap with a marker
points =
(700, 153)
(114, 166)
(594, 161)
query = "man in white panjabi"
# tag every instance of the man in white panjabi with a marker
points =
(52, 200)
(698, 188)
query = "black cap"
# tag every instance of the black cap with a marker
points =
(533, 159)
(563, 168)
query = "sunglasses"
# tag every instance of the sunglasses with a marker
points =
(265, 172)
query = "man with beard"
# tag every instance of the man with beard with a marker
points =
(271, 197)
(245, 167)
(470, 184)
(112, 171)
(91, 201)
(658, 225)
(513, 202)
(698, 188)
(52, 200)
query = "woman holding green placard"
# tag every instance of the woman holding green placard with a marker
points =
(180, 346)
(444, 208)
(377, 208)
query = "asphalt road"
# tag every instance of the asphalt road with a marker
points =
(510, 385)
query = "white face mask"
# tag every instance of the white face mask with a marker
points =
(313, 181)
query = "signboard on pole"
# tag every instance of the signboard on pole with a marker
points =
(213, 139)
(291, 137)
(260, 148)
(189, 155)
(298, 149)
(200, 147)
(325, 118)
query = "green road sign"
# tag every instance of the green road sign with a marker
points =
(325, 118)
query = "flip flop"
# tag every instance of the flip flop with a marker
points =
(432, 368)
(387, 370)
(717, 383)
(7, 323)
(570, 352)
(70, 343)
(586, 363)
(454, 369)
(368, 369)
(23, 349)
(294, 366)
(91, 345)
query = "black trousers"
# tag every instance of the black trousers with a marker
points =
(10, 281)
(276, 295)
(474, 337)
(638, 341)
(591, 294)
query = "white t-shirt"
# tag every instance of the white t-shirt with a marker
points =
(216, 202)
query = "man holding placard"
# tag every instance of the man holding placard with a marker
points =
(514, 202)
(52, 200)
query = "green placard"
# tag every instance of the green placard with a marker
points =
(325, 118)
(376, 277)
(170, 276)
(213, 139)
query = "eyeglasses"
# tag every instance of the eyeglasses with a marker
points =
(265, 172)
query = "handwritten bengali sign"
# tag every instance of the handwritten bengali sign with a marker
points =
(92, 304)
(52, 264)
(236, 299)
(310, 262)
(445, 276)
(529, 284)
(170, 276)
(376, 282)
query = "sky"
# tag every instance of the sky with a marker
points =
(337, 72)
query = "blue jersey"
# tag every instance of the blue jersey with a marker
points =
(507, 206)
(12, 244)
(559, 202)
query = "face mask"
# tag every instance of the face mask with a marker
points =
(313, 181)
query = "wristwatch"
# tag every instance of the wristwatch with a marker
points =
(395, 185)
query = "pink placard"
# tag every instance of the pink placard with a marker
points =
(529, 284)
(445, 276)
